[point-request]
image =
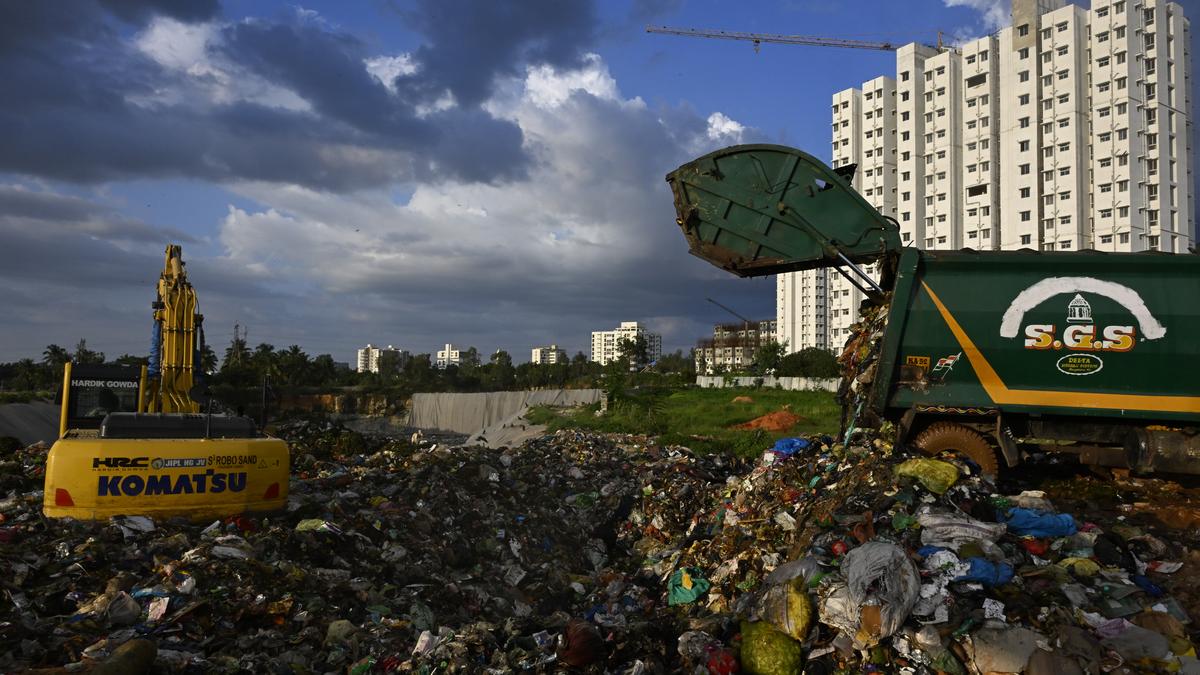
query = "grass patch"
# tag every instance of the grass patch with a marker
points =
(701, 418)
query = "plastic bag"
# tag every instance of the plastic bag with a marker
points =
(882, 585)
(766, 651)
(986, 572)
(945, 528)
(1030, 523)
(786, 447)
(787, 607)
(685, 586)
(937, 476)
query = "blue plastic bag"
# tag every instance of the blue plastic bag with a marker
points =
(1143, 582)
(1030, 523)
(786, 447)
(986, 572)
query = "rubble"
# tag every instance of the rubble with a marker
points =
(611, 553)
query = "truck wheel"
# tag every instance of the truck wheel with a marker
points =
(951, 437)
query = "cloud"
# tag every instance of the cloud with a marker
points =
(993, 15)
(723, 129)
(292, 99)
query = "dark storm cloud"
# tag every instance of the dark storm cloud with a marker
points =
(82, 104)
(56, 214)
(470, 43)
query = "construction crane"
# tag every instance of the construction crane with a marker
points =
(759, 38)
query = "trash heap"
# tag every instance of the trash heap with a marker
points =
(608, 553)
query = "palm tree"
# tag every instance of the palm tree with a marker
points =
(55, 355)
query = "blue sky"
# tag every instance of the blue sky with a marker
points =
(410, 172)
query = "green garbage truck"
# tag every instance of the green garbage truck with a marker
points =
(991, 354)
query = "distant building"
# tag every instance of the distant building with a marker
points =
(733, 345)
(370, 357)
(605, 343)
(548, 355)
(448, 356)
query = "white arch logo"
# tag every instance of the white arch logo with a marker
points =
(1010, 325)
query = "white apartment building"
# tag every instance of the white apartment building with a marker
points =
(369, 357)
(605, 342)
(733, 345)
(448, 356)
(550, 354)
(1070, 129)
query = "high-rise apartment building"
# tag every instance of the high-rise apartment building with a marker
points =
(733, 346)
(447, 356)
(1070, 129)
(549, 354)
(606, 343)
(370, 357)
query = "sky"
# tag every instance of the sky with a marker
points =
(405, 172)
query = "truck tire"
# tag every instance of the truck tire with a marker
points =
(942, 437)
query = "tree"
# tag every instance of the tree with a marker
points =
(500, 374)
(85, 355)
(768, 356)
(54, 356)
(809, 362)
(130, 360)
(208, 359)
(634, 351)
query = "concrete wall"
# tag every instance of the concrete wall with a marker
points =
(789, 383)
(469, 413)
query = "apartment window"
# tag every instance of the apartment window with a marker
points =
(1105, 136)
(1120, 108)
(1123, 237)
(1064, 171)
(1047, 104)
(1103, 87)
(1120, 57)
(1119, 32)
(1064, 196)
(972, 212)
(1106, 239)
(929, 97)
(983, 145)
(1023, 99)
(1123, 160)
(1150, 90)
(1152, 192)
(983, 56)
(971, 59)
(985, 210)
(941, 175)
(929, 241)
(929, 181)
(1122, 186)
(983, 121)
(906, 175)
(1061, 51)
(904, 135)
(906, 216)
(1123, 211)
(1048, 151)
(1064, 147)
(1150, 66)
(941, 133)
(1025, 239)
(1023, 122)
(1024, 169)
(1023, 53)
(904, 96)
(1149, 16)
(1063, 74)
(941, 90)
(1105, 162)
(1102, 62)
(941, 154)
(1103, 11)
(906, 196)
(1025, 216)
(1122, 134)
(1023, 146)
(904, 76)
(941, 70)
(1106, 213)
(971, 168)
(1046, 56)
(972, 146)
(976, 190)
(1064, 98)
(1047, 176)
(905, 156)
(1047, 80)
(1105, 187)
(970, 103)
(941, 219)
(973, 234)
(1151, 141)
(1025, 192)
(970, 124)
(1152, 242)
(942, 197)
(904, 116)
(977, 80)
(1064, 123)
(1062, 27)
(929, 76)
(929, 138)
(1023, 76)
(1102, 37)
(1047, 128)
(1064, 245)
(1048, 199)
(1023, 30)
(984, 166)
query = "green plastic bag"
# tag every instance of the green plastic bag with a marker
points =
(766, 651)
(686, 585)
(937, 476)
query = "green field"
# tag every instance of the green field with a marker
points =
(701, 418)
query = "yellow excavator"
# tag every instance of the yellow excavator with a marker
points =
(135, 441)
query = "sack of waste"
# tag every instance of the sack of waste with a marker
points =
(951, 529)
(937, 476)
(787, 607)
(882, 585)
(766, 651)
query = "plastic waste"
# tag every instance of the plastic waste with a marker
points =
(1030, 523)
(767, 651)
(882, 585)
(986, 572)
(937, 476)
(948, 529)
(686, 585)
(787, 607)
(786, 447)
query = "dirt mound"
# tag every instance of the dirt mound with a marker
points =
(780, 420)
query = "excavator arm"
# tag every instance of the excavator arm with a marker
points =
(177, 339)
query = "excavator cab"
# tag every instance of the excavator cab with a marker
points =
(133, 441)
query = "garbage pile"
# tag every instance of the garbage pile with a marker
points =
(608, 553)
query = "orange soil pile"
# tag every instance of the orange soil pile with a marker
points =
(780, 420)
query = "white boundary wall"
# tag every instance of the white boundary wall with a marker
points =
(788, 383)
